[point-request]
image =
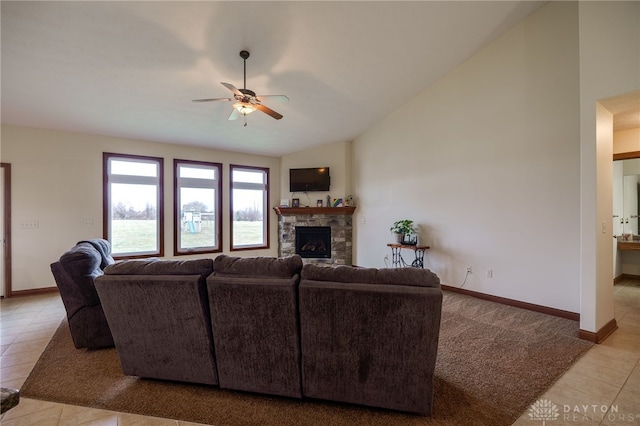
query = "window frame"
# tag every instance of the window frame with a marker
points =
(177, 208)
(266, 215)
(106, 201)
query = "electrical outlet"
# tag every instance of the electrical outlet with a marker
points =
(88, 222)
(490, 273)
(29, 225)
(469, 270)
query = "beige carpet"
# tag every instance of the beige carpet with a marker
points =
(494, 361)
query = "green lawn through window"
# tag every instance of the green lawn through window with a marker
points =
(130, 236)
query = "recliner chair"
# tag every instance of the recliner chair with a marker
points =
(75, 274)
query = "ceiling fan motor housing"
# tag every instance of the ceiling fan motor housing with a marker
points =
(248, 92)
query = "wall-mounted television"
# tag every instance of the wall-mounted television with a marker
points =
(309, 179)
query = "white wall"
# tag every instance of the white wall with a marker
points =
(486, 161)
(626, 141)
(57, 181)
(609, 66)
(336, 156)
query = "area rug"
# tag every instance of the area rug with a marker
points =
(493, 362)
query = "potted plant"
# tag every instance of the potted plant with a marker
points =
(403, 229)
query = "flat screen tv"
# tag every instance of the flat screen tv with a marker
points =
(310, 179)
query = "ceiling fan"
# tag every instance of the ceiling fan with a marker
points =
(246, 101)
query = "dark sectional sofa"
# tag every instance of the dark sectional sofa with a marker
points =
(261, 324)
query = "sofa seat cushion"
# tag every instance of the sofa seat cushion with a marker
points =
(393, 276)
(285, 267)
(202, 267)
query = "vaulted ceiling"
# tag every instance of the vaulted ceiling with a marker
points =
(131, 69)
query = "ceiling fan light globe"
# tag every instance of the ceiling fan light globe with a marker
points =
(244, 107)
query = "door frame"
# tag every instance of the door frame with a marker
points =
(6, 197)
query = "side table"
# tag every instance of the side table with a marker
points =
(396, 255)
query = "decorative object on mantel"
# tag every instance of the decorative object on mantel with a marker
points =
(403, 230)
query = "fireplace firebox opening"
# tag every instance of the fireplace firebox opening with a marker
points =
(313, 241)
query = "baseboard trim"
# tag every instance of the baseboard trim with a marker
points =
(515, 303)
(623, 277)
(600, 335)
(44, 290)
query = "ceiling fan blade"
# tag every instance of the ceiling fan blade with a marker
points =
(213, 100)
(233, 88)
(234, 114)
(281, 98)
(269, 111)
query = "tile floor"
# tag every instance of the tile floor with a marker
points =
(603, 387)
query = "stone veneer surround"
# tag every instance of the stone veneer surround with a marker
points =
(340, 219)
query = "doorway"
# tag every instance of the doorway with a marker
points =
(625, 110)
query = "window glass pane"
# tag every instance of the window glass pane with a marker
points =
(249, 203)
(134, 214)
(248, 176)
(248, 215)
(134, 168)
(196, 172)
(198, 214)
(132, 210)
(198, 218)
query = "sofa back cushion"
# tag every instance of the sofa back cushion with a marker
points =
(348, 274)
(160, 320)
(270, 267)
(202, 267)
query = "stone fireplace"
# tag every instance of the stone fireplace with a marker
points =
(327, 233)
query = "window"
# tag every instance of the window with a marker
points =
(198, 197)
(249, 203)
(132, 206)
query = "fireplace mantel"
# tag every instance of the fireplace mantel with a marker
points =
(314, 210)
